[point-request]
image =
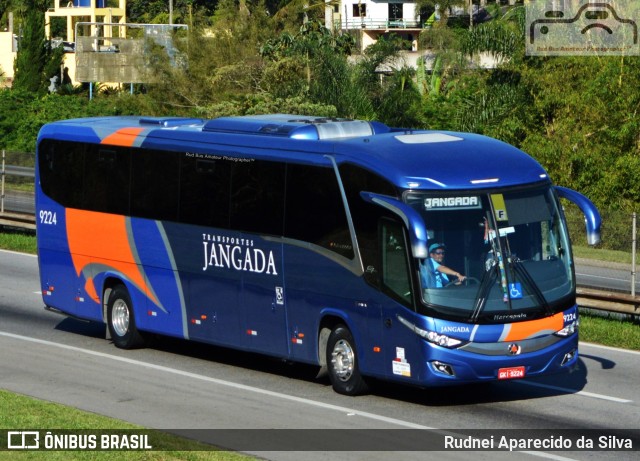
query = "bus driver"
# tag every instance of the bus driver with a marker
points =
(433, 273)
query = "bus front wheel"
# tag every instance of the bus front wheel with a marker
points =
(121, 321)
(342, 363)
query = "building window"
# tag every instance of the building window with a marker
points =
(359, 10)
(395, 11)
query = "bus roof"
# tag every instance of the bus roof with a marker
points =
(414, 159)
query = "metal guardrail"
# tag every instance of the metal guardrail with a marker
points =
(19, 171)
(608, 301)
(15, 204)
(19, 220)
(24, 171)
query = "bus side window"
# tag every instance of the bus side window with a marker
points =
(257, 197)
(396, 278)
(314, 209)
(205, 187)
(366, 216)
(107, 179)
(155, 184)
(62, 171)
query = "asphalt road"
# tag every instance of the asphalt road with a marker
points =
(179, 385)
(605, 276)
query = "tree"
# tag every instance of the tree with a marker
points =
(35, 61)
(157, 11)
(4, 7)
(442, 6)
(29, 64)
(503, 37)
(496, 103)
(400, 104)
(312, 63)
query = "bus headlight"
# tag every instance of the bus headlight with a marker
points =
(431, 336)
(568, 330)
(440, 340)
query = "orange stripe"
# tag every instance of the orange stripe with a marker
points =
(123, 137)
(524, 330)
(102, 238)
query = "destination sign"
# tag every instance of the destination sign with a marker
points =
(452, 203)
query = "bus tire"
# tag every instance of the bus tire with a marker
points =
(121, 321)
(342, 363)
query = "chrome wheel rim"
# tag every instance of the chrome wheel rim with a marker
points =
(120, 317)
(343, 360)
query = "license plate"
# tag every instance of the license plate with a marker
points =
(511, 373)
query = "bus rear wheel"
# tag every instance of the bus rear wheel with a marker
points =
(342, 363)
(121, 321)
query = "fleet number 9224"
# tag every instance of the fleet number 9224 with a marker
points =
(48, 217)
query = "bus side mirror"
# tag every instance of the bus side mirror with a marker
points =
(411, 218)
(591, 213)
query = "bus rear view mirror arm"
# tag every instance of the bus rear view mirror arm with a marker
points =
(591, 213)
(411, 218)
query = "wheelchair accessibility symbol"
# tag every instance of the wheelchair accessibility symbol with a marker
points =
(515, 290)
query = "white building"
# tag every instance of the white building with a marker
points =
(377, 18)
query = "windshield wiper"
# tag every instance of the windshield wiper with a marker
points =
(488, 278)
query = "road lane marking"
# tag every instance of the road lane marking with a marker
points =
(574, 391)
(609, 348)
(618, 279)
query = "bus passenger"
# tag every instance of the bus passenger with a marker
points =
(433, 273)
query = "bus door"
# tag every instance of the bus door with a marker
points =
(402, 236)
(263, 298)
(402, 352)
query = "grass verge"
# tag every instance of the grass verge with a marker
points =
(602, 254)
(18, 412)
(17, 240)
(610, 331)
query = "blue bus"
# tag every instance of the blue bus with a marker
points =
(314, 240)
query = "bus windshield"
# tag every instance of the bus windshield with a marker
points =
(510, 249)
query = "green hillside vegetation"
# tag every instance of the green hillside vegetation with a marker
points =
(578, 116)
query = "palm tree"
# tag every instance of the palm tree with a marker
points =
(442, 6)
(502, 37)
(503, 97)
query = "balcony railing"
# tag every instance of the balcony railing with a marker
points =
(378, 23)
